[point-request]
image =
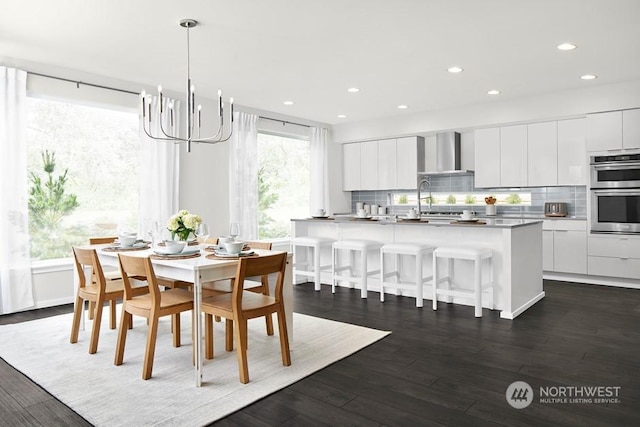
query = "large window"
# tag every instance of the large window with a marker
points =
(283, 183)
(83, 174)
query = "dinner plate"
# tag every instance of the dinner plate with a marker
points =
(362, 217)
(184, 252)
(223, 254)
(468, 220)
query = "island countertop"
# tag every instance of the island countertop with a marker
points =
(431, 222)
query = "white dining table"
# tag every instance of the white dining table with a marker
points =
(199, 270)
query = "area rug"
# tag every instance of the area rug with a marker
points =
(109, 395)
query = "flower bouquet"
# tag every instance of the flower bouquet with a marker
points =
(183, 224)
(491, 205)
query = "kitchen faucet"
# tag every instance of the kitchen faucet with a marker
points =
(423, 181)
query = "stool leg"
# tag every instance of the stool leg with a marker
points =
(478, 287)
(352, 263)
(397, 259)
(295, 263)
(363, 276)
(419, 297)
(449, 278)
(434, 288)
(316, 266)
(333, 270)
(382, 276)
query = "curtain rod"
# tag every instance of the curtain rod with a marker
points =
(78, 83)
(285, 122)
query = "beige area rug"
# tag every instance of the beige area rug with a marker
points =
(109, 395)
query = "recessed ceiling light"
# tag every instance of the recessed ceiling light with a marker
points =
(353, 90)
(588, 77)
(566, 46)
(455, 69)
(494, 92)
(288, 102)
(403, 107)
(342, 116)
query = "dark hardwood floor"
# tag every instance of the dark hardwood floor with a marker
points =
(442, 368)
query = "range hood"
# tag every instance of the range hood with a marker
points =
(447, 155)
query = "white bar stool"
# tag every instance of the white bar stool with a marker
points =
(477, 255)
(311, 265)
(417, 250)
(353, 246)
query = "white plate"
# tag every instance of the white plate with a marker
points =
(468, 220)
(322, 216)
(185, 251)
(223, 254)
(362, 217)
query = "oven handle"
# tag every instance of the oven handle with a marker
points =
(617, 166)
(617, 191)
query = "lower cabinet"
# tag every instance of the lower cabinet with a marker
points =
(564, 245)
(614, 256)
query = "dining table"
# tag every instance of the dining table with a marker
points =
(198, 270)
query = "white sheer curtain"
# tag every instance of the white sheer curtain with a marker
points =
(243, 174)
(159, 171)
(319, 169)
(16, 286)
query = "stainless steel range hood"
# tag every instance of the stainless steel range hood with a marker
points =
(447, 155)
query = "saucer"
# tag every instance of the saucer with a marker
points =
(468, 220)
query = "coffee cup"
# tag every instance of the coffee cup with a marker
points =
(223, 240)
(319, 212)
(466, 214)
(127, 240)
(233, 247)
(361, 213)
(359, 205)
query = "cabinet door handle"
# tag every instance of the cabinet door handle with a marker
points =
(624, 258)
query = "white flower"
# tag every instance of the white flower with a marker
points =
(174, 223)
(191, 221)
(183, 213)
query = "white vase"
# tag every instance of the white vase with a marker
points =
(491, 210)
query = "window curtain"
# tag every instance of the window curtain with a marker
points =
(16, 285)
(159, 171)
(243, 174)
(319, 169)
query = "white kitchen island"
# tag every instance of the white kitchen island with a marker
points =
(516, 245)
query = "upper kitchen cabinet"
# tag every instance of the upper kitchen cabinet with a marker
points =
(387, 176)
(542, 159)
(409, 161)
(351, 167)
(487, 157)
(572, 165)
(614, 130)
(631, 128)
(369, 165)
(513, 156)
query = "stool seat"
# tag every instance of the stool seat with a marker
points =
(361, 246)
(417, 250)
(477, 255)
(312, 266)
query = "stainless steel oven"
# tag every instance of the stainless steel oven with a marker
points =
(615, 210)
(615, 193)
(615, 171)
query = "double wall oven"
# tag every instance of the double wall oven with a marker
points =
(615, 193)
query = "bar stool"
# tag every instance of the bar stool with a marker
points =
(477, 255)
(417, 250)
(353, 246)
(311, 264)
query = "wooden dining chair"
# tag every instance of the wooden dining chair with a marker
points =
(254, 284)
(152, 306)
(109, 274)
(97, 293)
(240, 305)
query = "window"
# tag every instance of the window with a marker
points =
(98, 149)
(283, 183)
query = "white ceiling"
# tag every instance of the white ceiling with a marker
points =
(310, 51)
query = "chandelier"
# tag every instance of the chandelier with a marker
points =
(193, 112)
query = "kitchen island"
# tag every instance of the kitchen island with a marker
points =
(516, 245)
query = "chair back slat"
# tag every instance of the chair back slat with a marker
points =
(138, 268)
(260, 245)
(101, 240)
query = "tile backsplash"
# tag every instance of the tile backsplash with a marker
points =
(574, 196)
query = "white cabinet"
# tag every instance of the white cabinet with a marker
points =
(387, 176)
(407, 161)
(487, 157)
(542, 154)
(513, 156)
(351, 167)
(631, 129)
(369, 165)
(613, 130)
(614, 256)
(572, 164)
(565, 246)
